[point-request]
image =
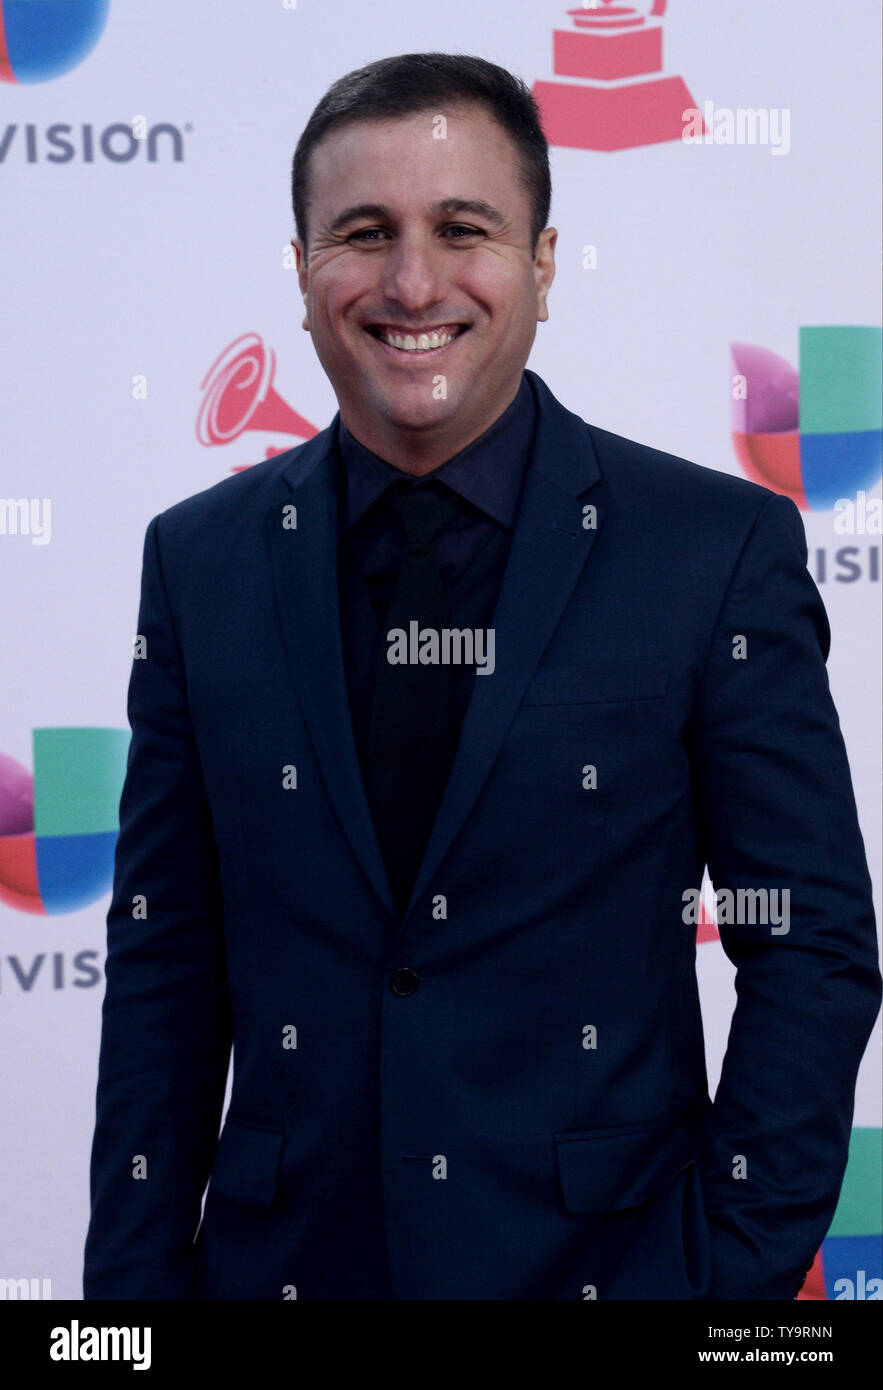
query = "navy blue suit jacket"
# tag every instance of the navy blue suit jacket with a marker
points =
(533, 1120)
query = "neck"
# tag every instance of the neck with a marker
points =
(422, 449)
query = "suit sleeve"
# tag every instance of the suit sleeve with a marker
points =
(166, 1025)
(776, 803)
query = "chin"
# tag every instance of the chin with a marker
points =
(415, 408)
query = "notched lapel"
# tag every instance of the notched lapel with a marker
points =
(304, 563)
(549, 548)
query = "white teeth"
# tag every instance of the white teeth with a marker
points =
(424, 343)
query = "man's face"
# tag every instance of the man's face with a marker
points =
(407, 263)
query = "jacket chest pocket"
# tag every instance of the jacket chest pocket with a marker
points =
(595, 734)
(611, 681)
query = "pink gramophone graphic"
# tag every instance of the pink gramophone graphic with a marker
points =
(622, 99)
(239, 396)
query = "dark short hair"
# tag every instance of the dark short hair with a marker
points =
(414, 82)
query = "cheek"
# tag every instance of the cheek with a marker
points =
(503, 295)
(333, 297)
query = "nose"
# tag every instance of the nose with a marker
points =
(413, 274)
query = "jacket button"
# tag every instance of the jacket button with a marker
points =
(404, 981)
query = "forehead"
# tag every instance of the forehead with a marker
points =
(456, 152)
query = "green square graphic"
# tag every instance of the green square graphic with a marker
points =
(78, 777)
(860, 1209)
(840, 379)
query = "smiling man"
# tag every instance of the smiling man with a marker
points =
(441, 919)
(380, 275)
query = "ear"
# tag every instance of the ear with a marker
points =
(303, 274)
(300, 261)
(544, 269)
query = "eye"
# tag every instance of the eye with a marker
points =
(367, 232)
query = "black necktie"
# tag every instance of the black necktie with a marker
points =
(412, 737)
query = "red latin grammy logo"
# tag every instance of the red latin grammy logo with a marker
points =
(238, 395)
(623, 98)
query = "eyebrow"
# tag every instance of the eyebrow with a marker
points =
(477, 207)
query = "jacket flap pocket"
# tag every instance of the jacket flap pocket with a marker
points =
(598, 682)
(246, 1166)
(609, 1170)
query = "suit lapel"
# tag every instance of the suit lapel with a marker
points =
(304, 560)
(549, 548)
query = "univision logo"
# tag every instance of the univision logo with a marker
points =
(59, 826)
(121, 142)
(815, 433)
(42, 39)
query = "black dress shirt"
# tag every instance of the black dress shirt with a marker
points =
(487, 478)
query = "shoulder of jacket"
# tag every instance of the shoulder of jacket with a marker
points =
(638, 472)
(240, 493)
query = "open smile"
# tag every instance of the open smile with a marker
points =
(417, 346)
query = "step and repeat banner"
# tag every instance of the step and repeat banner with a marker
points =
(716, 186)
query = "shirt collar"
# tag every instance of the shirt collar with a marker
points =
(488, 472)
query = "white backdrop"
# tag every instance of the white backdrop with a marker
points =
(125, 280)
